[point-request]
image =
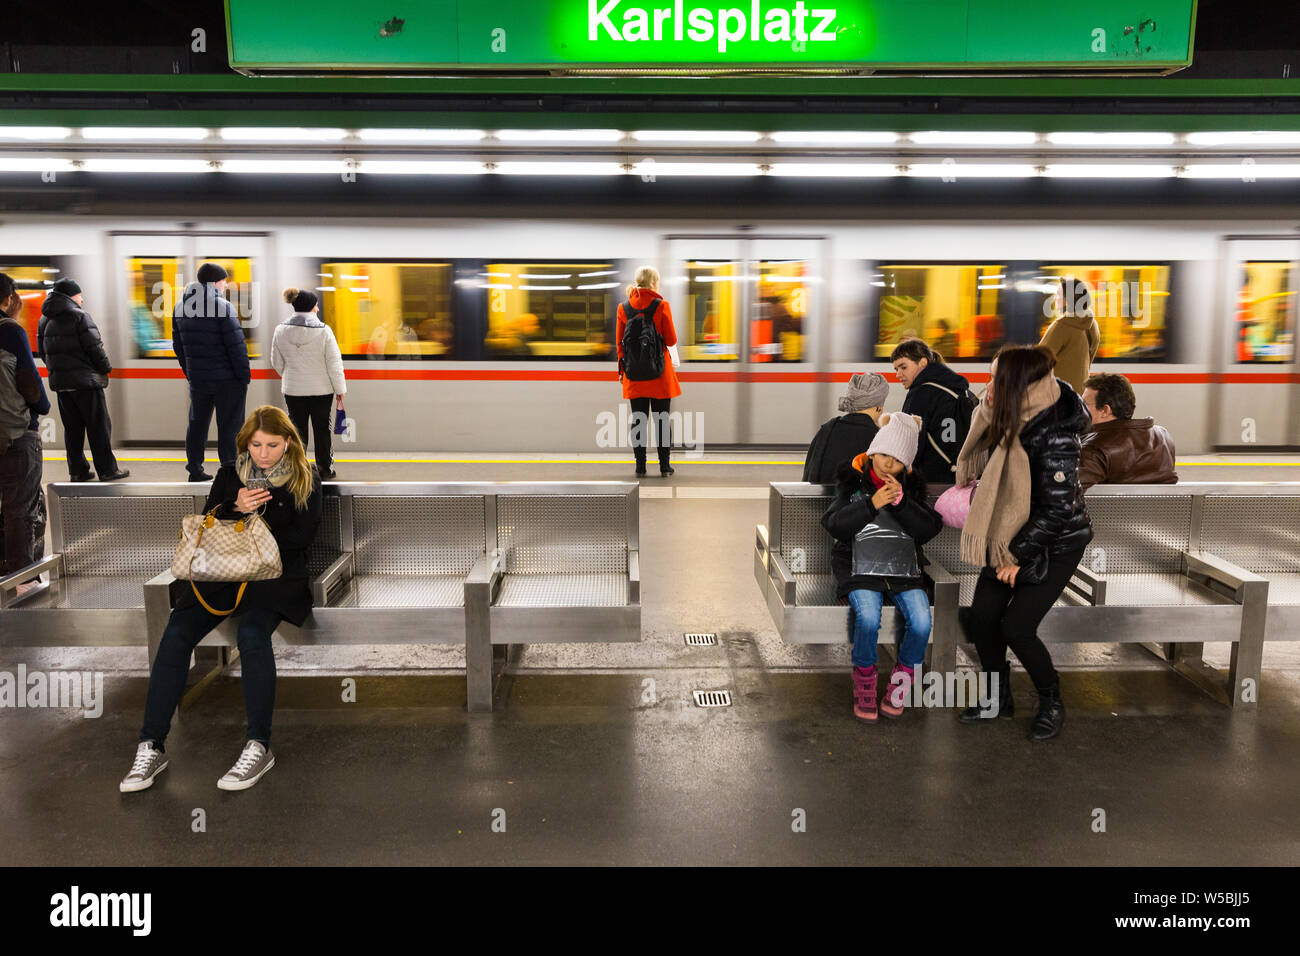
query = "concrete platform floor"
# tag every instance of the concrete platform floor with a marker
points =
(597, 755)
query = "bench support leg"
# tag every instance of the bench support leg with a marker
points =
(478, 651)
(944, 629)
(1248, 653)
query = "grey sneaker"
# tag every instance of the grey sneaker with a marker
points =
(149, 762)
(249, 768)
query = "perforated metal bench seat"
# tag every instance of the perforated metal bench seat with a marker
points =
(563, 590)
(393, 591)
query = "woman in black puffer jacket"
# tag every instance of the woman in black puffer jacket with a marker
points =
(1028, 526)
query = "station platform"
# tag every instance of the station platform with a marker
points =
(593, 765)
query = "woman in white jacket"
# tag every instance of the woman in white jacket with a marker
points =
(306, 356)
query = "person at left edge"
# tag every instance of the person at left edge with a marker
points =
(209, 345)
(269, 449)
(69, 344)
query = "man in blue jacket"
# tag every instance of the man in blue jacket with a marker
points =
(209, 344)
(22, 399)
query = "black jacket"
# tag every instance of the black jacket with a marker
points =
(207, 338)
(69, 344)
(289, 595)
(850, 512)
(1058, 520)
(836, 442)
(936, 407)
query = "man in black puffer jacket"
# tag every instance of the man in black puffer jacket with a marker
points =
(209, 344)
(68, 342)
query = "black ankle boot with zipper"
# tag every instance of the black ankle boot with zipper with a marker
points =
(1006, 703)
(1050, 718)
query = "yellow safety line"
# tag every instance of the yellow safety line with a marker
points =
(676, 461)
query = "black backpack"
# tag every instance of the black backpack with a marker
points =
(965, 408)
(643, 346)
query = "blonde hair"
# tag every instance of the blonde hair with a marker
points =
(273, 421)
(290, 294)
(647, 277)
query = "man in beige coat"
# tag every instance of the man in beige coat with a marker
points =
(1075, 335)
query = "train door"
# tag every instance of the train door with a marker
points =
(748, 310)
(1256, 394)
(149, 275)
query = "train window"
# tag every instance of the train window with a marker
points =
(959, 309)
(711, 331)
(156, 283)
(388, 309)
(549, 309)
(777, 330)
(1266, 312)
(1129, 302)
(33, 278)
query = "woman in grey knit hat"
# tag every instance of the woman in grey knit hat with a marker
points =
(842, 438)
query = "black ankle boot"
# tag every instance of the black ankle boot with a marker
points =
(1050, 718)
(1006, 703)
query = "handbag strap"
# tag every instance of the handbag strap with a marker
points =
(212, 610)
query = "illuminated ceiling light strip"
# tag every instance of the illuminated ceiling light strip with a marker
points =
(834, 138)
(703, 169)
(546, 288)
(34, 132)
(288, 166)
(399, 167)
(558, 169)
(600, 285)
(529, 275)
(35, 164)
(1110, 139)
(1246, 138)
(1111, 171)
(420, 135)
(559, 135)
(695, 136)
(141, 132)
(845, 170)
(972, 170)
(144, 164)
(272, 134)
(1242, 171)
(973, 138)
(589, 275)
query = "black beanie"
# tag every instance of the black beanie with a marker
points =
(304, 301)
(211, 272)
(67, 287)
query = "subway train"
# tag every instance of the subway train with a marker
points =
(487, 334)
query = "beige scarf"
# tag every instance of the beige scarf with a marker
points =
(1000, 507)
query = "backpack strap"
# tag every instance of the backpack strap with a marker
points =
(943, 389)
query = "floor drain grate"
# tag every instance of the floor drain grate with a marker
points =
(701, 640)
(712, 698)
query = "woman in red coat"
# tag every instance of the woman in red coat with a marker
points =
(656, 394)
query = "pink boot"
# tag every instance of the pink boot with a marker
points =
(899, 689)
(864, 693)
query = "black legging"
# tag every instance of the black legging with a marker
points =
(1002, 617)
(657, 422)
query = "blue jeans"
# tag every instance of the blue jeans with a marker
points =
(185, 628)
(913, 604)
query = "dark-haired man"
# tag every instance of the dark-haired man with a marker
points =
(1121, 449)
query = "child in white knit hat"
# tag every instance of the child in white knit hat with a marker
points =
(881, 480)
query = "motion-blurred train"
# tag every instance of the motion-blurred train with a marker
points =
(476, 335)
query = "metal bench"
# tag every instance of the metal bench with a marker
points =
(565, 568)
(471, 563)
(1159, 573)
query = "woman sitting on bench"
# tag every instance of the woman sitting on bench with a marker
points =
(273, 477)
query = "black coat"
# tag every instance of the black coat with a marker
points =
(850, 512)
(68, 342)
(289, 595)
(207, 338)
(936, 407)
(1058, 520)
(837, 441)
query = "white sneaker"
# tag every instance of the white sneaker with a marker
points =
(249, 768)
(149, 762)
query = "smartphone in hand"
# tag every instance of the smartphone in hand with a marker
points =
(258, 484)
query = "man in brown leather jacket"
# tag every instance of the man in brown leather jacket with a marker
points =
(1121, 449)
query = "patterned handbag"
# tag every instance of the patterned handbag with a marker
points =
(240, 551)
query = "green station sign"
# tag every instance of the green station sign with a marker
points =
(629, 36)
